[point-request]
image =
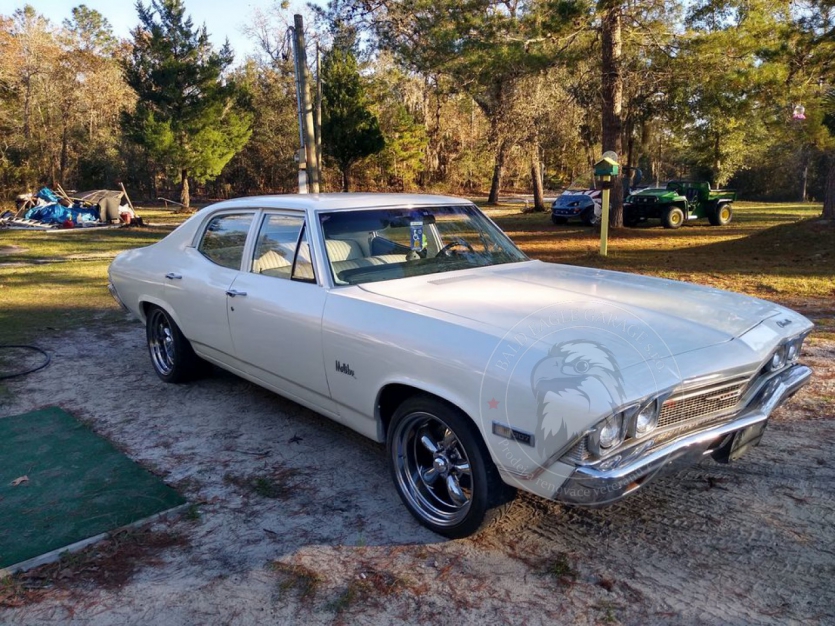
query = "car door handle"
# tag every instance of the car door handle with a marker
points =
(172, 275)
(234, 292)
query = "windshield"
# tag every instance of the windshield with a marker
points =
(366, 246)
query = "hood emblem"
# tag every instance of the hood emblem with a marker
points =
(784, 323)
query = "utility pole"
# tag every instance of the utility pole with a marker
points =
(299, 157)
(303, 76)
(318, 120)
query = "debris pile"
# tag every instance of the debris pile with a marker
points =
(55, 209)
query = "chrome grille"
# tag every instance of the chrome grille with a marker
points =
(700, 403)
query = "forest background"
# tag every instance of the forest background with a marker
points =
(471, 97)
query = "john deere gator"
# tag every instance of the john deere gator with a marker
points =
(678, 202)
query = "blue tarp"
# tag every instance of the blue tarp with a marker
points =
(58, 214)
(47, 194)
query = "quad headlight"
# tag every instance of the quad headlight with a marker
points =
(787, 352)
(778, 359)
(635, 421)
(646, 419)
(793, 349)
(608, 434)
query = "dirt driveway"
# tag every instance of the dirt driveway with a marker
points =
(296, 520)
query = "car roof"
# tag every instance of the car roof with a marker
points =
(339, 201)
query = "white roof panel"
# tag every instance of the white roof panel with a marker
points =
(333, 201)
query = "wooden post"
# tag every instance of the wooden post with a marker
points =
(604, 217)
(127, 197)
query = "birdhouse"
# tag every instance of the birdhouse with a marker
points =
(606, 167)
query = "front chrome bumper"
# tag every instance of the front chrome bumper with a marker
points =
(593, 486)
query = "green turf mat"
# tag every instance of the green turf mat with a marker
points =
(79, 485)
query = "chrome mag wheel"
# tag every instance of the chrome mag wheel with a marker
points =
(161, 342)
(432, 469)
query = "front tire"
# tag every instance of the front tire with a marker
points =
(172, 356)
(673, 218)
(558, 221)
(588, 217)
(442, 469)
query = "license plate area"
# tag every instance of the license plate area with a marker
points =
(740, 443)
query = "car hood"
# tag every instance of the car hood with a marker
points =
(685, 316)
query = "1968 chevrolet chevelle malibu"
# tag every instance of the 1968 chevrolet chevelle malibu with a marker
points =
(415, 321)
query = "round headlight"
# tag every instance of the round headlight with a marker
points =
(647, 419)
(778, 359)
(610, 432)
(793, 350)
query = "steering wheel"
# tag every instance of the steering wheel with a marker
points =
(445, 251)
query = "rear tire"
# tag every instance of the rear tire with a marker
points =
(673, 218)
(172, 356)
(721, 215)
(442, 469)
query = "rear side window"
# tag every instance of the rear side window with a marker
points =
(224, 239)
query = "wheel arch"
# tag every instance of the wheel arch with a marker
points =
(395, 393)
(147, 302)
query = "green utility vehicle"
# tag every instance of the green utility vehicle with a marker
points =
(679, 201)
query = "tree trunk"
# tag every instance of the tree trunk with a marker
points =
(185, 199)
(829, 192)
(63, 164)
(536, 181)
(612, 98)
(27, 110)
(804, 173)
(346, 178)
(804, 178)
(498, 169)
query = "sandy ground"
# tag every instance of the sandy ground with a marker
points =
(296, 520)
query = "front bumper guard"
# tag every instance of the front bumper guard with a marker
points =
(593, 486)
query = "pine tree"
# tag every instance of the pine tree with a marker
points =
(189, 118)
(350, 131)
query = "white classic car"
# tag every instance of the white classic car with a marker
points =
(415, 321)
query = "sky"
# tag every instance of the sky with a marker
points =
(223, 18)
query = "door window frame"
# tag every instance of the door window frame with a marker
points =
(252, 241)
(313, 232)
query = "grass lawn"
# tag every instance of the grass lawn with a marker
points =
(769, 250)
(52, 281)
(55, 281)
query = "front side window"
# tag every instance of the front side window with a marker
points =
(282, 250)
(224, 239)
